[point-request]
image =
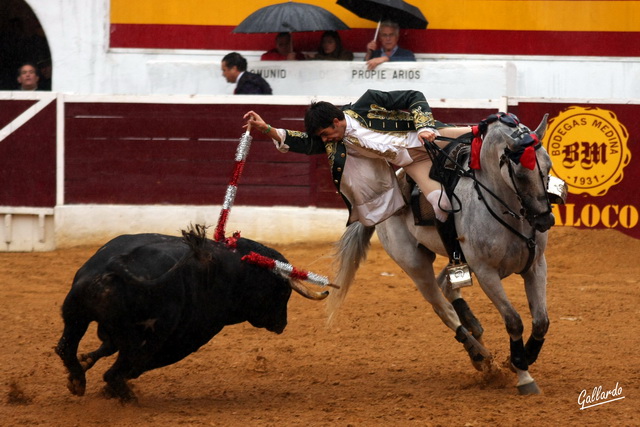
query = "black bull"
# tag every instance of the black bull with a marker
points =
(158, 298)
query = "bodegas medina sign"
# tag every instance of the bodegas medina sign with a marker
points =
(594, 149)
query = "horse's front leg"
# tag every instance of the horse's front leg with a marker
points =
(417, 261)
(466, 316)
(535, 282)
(492, 287)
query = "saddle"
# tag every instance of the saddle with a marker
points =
(446, 170)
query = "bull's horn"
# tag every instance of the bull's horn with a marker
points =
(306, 292)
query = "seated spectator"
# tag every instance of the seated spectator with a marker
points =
(389, 50)
(28, 77)
(331, 48)
(45, 71)
(234, 70)
(283, 50)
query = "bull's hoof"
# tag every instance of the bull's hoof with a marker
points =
(77, 386)
(529, 389)
(86, 361)
(123, 393)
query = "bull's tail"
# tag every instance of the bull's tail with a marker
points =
(350, 251)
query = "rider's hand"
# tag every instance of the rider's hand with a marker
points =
(254, 121)
(427, 134)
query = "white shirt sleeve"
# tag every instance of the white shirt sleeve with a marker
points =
(281, 146)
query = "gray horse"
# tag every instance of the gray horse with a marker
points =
(502, 214)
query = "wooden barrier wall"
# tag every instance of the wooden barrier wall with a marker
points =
(61, 151)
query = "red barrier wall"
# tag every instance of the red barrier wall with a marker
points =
(131, 153)
(159, 153)
(28, 157)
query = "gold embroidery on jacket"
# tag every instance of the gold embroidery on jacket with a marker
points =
(352, 114)
(297, 134)
(331, 148)
(422, 119)
(378, 112)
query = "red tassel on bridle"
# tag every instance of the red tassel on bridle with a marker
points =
(476, 147)
(528, 158)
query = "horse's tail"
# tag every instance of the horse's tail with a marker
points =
(350, 251)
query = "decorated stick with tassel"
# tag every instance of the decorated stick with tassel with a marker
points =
(283, 269)
(240, 159)
(287, 270)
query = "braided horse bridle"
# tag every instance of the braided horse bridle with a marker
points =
(524, 153)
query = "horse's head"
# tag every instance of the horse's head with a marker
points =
(523, 164)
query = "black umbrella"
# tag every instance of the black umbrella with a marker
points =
(290, 17)
(404, 14)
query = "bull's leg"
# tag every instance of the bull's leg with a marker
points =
(67, 349)
(107, 348)
(87, 360)
(116, 379)
(138, 347)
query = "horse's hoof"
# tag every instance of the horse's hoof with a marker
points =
(529, 388)
(483, 365)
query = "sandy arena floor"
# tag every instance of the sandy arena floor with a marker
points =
(388, 360)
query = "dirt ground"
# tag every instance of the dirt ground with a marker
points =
(387, 361)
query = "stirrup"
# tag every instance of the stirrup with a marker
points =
(458, 273)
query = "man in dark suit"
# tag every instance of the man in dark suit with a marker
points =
(234, 70)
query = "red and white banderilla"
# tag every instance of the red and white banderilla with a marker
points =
(283, 269)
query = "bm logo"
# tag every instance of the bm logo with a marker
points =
(588, 147)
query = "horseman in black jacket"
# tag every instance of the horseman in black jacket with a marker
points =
(363, 141)
(234, 69)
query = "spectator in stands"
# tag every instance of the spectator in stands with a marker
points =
(331, 48)
(283, 50)
(28, 77)
(234, 70)
(388, 35)
(45, 70)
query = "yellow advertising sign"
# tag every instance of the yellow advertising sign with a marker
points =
(588, 147)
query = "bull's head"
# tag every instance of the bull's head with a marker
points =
(257, 295)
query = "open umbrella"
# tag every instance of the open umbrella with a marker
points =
(399, 11)
(290, 17)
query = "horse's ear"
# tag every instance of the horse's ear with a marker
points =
(542, 127)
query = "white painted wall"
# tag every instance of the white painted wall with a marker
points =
(78, 31)
(96, 224)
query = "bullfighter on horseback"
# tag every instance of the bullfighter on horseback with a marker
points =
(362, 141)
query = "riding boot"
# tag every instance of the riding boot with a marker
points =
(458, 272)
